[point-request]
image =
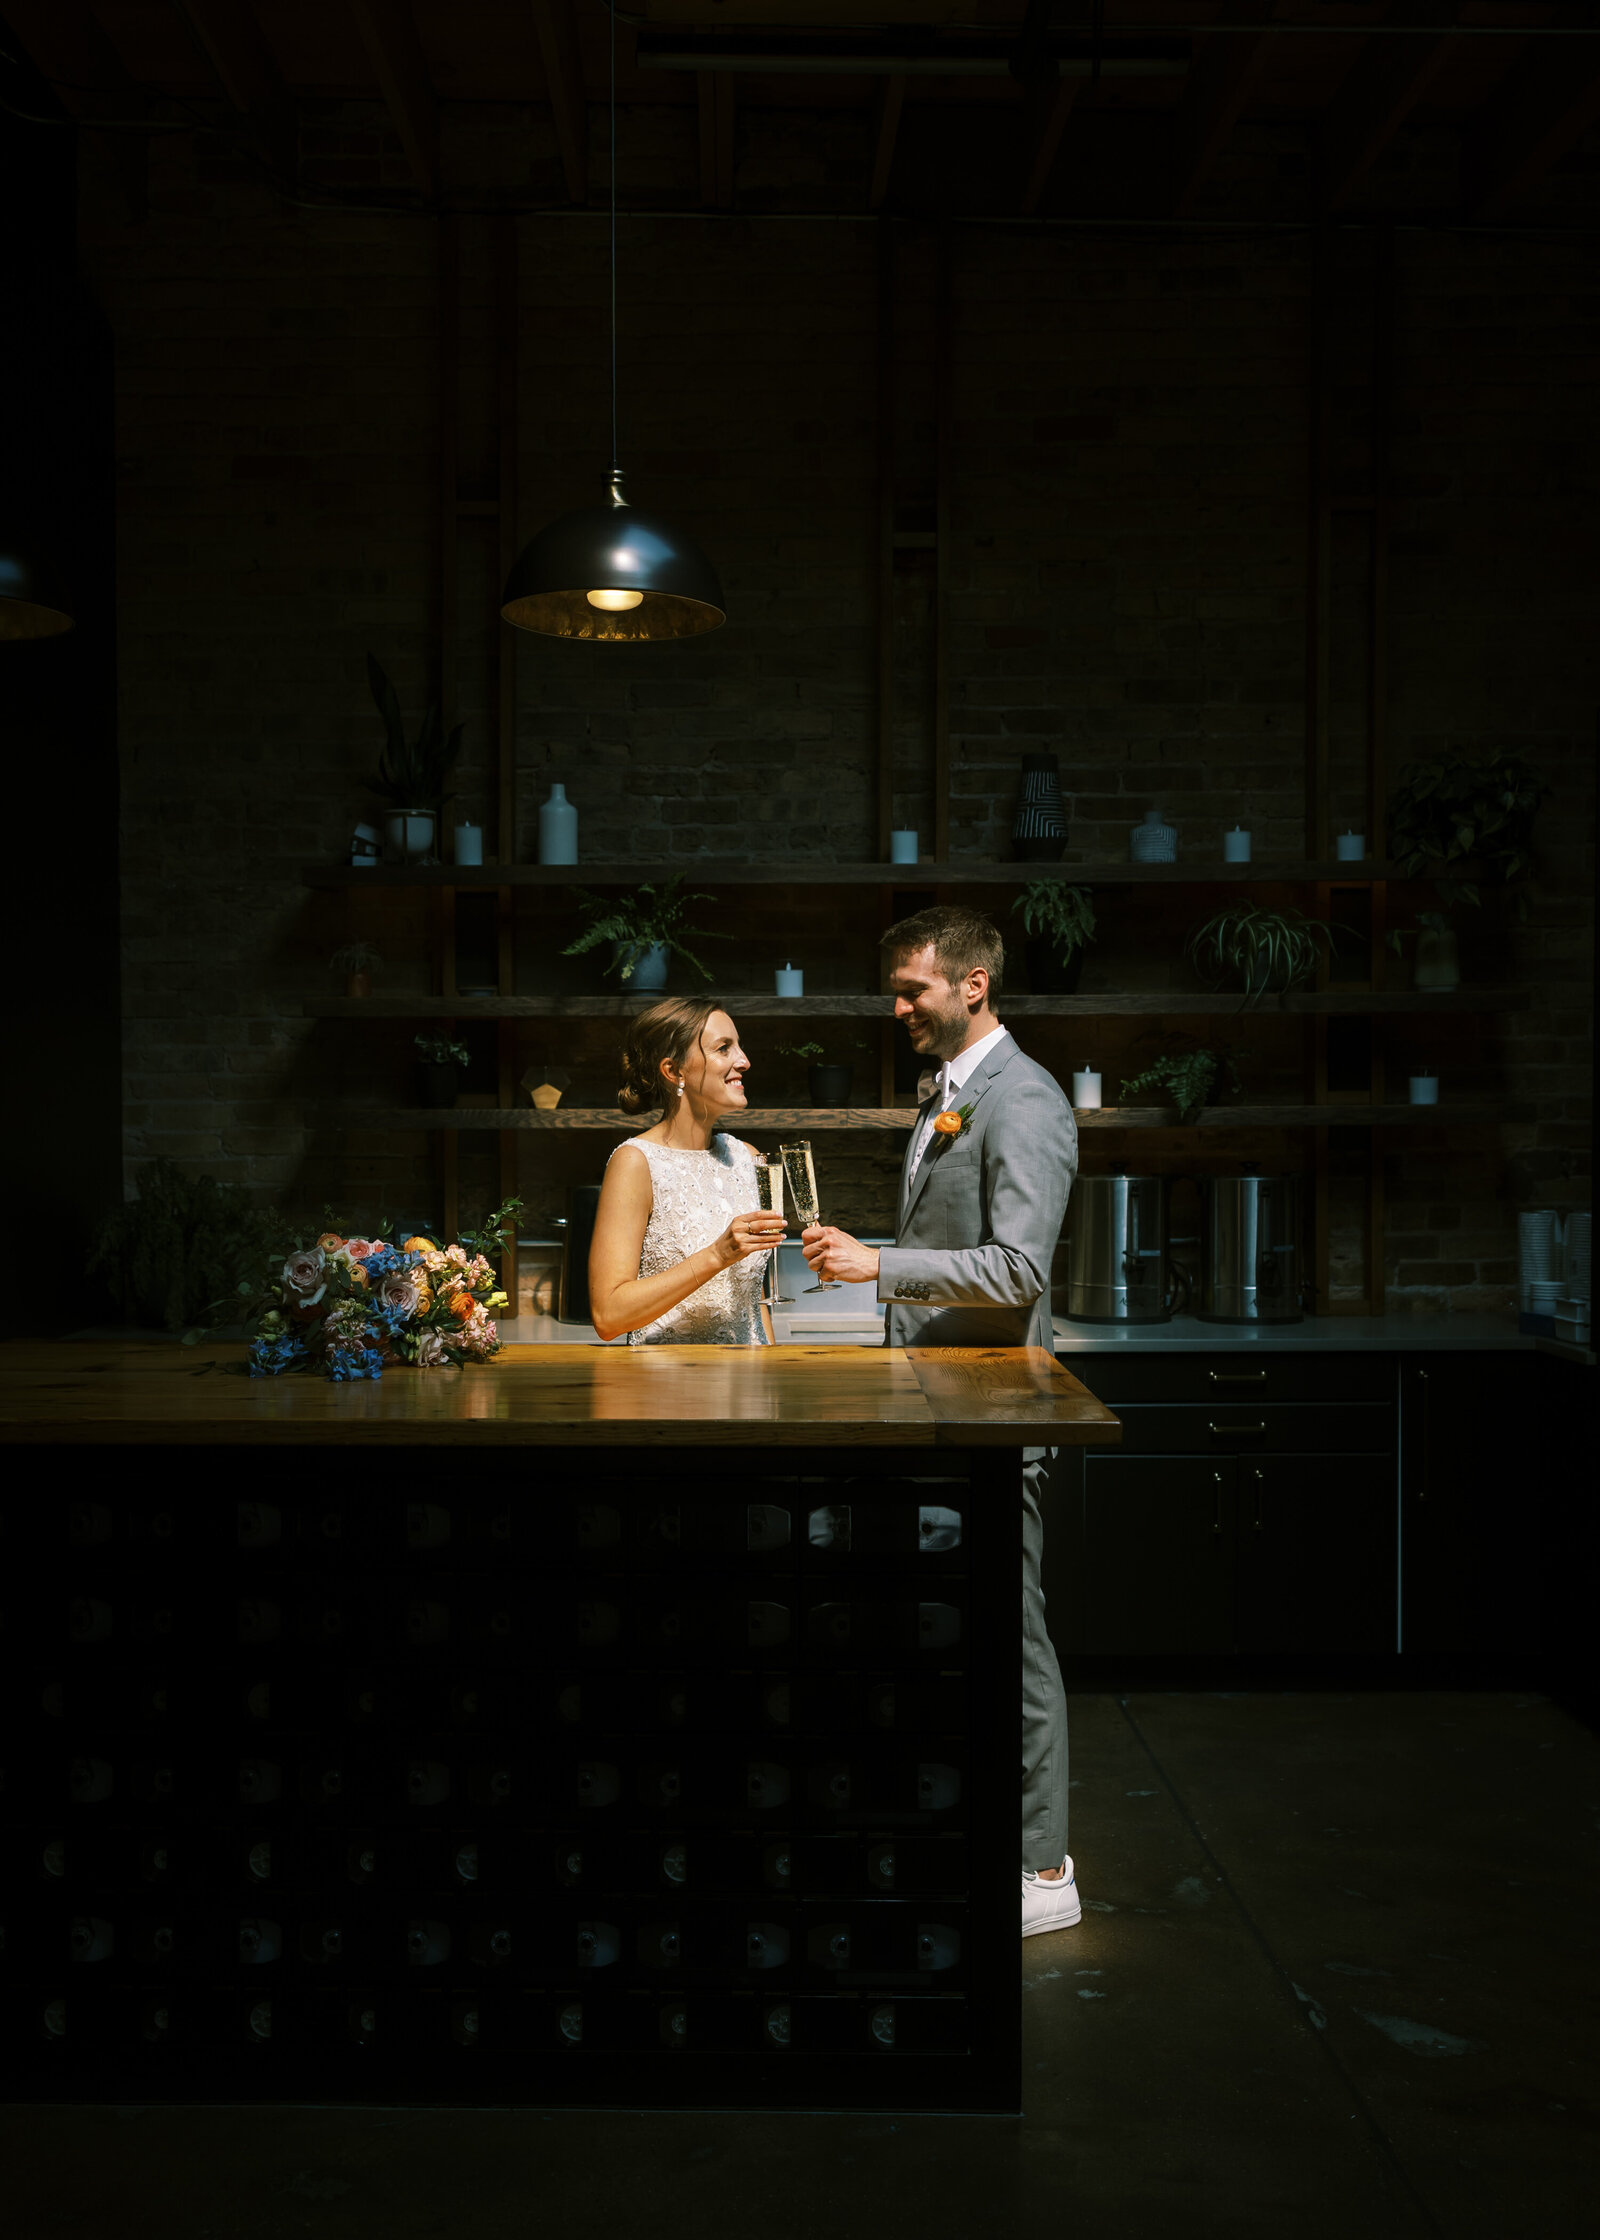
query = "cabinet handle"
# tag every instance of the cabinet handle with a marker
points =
(1237, 1376)
(1422, 1486)
(1256, 1474)
(1237, 1430)
(1216, 1514)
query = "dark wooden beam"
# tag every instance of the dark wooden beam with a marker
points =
(891, 100)
(716, 139)
(66, 45)
(1388, 81)
(229, 37)
(1048, 106)
(563, 73)
(395, 54)
(1549, 100)
(1223, 78)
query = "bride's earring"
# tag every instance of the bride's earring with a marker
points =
(680, 1088)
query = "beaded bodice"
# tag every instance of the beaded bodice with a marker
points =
(694, 1195)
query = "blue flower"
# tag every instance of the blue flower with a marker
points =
(348, 1364)
(270, 1357)
(389, 1263)
(390, 1320)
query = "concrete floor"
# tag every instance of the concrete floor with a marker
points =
(1335, 1977)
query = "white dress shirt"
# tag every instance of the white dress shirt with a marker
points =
(952, 1074)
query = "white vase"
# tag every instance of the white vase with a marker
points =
(408, 835)
(1437, 965)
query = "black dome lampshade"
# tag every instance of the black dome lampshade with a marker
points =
(615, 575)
(30, 605)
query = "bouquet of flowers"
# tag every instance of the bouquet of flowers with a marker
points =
(352, 1306)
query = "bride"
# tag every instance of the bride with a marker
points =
(679, 1248)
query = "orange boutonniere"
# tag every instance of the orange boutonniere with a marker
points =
(951, 1123)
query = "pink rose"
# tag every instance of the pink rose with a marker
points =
(430, 1351)
(303, 1274)
(400, 1295)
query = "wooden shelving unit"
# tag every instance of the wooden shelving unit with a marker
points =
(959, 873)
(803, 1119)
(1110, 1004)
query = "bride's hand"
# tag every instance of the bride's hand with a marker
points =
(749, 1233)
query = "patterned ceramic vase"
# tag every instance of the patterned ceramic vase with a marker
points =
(1039, 830)
(1153, 841)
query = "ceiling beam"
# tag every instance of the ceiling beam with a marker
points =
(1548, 102)
(1221, 82)
(716, 140)
(394, 52)
(1050, 106)
(1388, 81)
(563, 75)
(891, 99)
(84, 71)
(229, 37)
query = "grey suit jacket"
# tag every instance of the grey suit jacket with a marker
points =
(970, 1265)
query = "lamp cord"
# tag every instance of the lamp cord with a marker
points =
(612, 11)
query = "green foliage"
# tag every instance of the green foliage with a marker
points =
(1063, 914)
(165, 1255)
(646, 919)
(1264, 949)
(358, 956)
(1187, 1076)
(1431, 921)
(411, 773)
(494, 1233)
(440, 1050)
(815, 1054)
(1454, 806)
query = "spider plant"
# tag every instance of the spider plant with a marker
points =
(1268, 950)
(1057, 913)
(649, 918)
(411, 773)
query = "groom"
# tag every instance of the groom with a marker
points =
(982, 1199)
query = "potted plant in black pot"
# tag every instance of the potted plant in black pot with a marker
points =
(645, 930)
(1059, 923)
(1260, 951)
(411, 773)
(1453, 807)
(358, 961)
(439, 1063)
(828, 1082)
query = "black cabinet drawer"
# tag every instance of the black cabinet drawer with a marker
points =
(1117, 1379)
(1248, 1426)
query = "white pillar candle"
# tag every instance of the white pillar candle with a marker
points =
(1086, 1091)
(1236, 845)
(790, 980)
(902, 847)
(1350, 847)
(1424, 1088)
(469, 843)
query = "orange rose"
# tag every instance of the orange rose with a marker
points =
(331, 1243)
(947, 1123)
(463, 1306)
(420, 1244)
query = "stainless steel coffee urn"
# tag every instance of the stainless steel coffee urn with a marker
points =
(1118, 1266)
(1252, 1266)
(577, 1233)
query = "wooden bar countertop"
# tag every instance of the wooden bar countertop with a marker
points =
(133, 1393)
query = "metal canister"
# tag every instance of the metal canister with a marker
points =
(1119, 1268)
(577, 1233)
(1252, 1257)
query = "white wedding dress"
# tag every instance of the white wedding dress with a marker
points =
(694, 1195)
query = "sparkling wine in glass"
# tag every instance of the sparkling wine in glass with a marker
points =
(802, 1176)
(769, 1197)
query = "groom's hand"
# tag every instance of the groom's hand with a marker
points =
(839, 1258)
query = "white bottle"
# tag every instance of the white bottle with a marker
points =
(558, 828)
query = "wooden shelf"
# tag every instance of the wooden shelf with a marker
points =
(1105, 1004)
(961, 873)
(768, 1119)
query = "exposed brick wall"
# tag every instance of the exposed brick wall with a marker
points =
(1126, 575)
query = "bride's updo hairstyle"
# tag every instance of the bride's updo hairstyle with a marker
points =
(668, 1030)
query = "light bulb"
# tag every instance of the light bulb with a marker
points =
(615, 602)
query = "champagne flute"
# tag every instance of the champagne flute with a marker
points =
(769, 1197)
(802, 1176)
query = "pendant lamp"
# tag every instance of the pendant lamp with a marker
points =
(29, 608)
(612, 573)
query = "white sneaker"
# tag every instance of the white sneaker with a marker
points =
(1050, 1905)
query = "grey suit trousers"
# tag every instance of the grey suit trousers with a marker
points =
(1044, 1701)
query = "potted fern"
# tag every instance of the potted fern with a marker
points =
(439, 1058)
(1059, 921)
(645, 931)
(1263, 951)
(1192, 1078)
(827, 1083)
(411, 773)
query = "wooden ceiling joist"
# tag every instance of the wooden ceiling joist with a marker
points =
(563, 71)
(1549, 101)
(230, 38)
(395, 55)
(1221, 82)
(891, 100)
(1385, 86)
(716, 139)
